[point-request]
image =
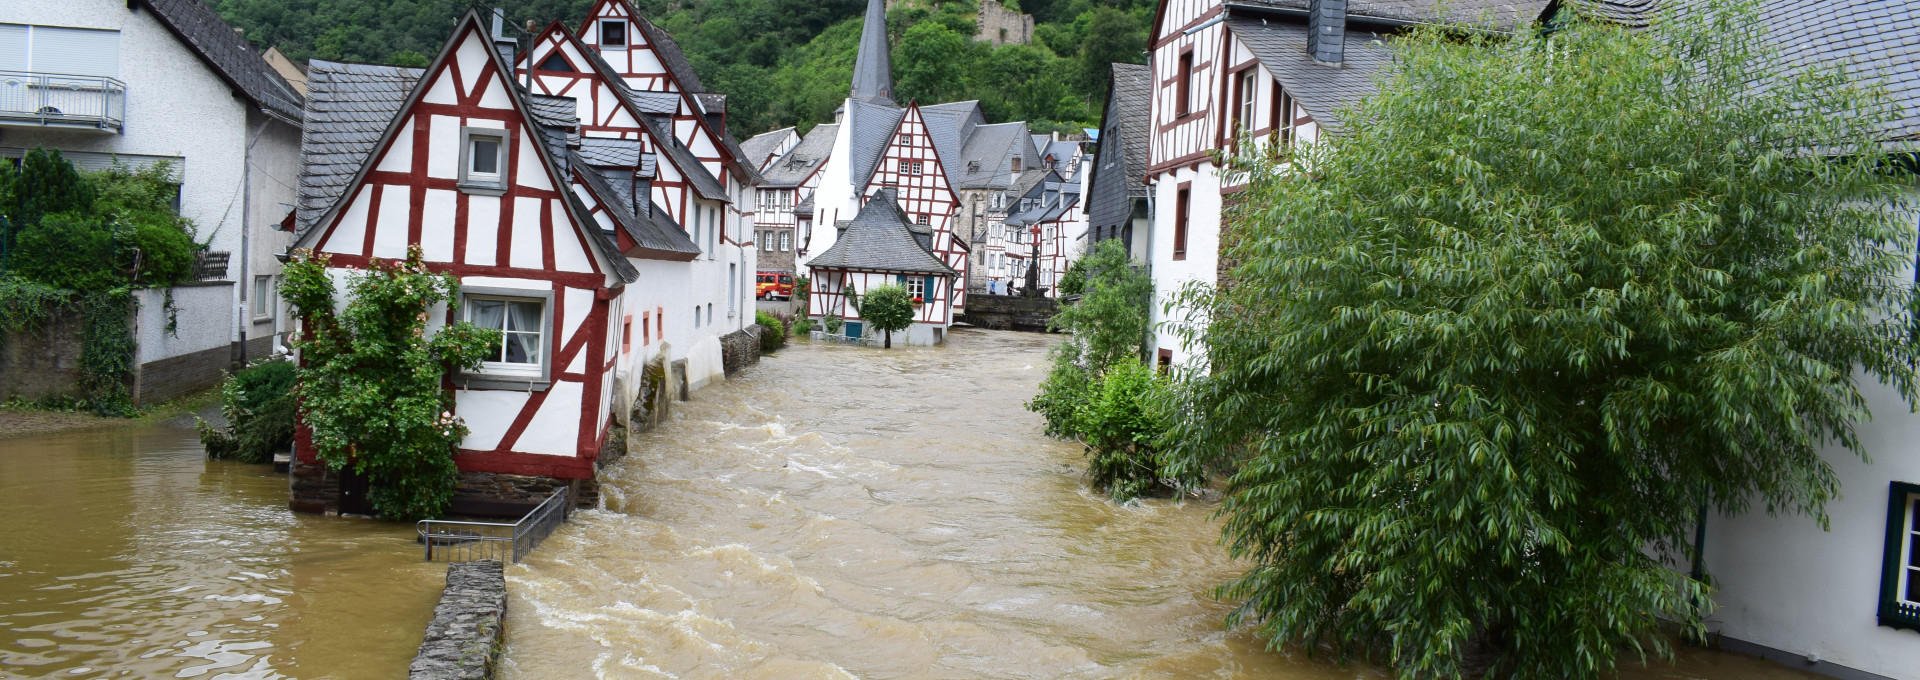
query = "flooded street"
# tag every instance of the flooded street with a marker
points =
(842, 512)
(124, 552)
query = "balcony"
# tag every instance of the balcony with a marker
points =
(62, 101)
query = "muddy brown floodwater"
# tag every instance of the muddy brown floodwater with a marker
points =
(843, 512)
(125, 553)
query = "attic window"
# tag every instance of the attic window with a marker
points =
(1016, 164)
(483, 159)
(923, 219)
(973, 166)
(613, 33)
(555, 62)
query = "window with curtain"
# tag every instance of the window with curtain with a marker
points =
(522, 326)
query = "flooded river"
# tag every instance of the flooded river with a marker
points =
(124, 552)
(833, 513)
(847, 513)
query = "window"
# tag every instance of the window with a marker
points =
(613, 33)
(1016, 163)
(522, 318)
(766, 241)
(263, 297)
(1182, 202)
(1900, 570)
(923, 219)
(1282, 115)
(56, 49)
(713, 245)
(709, 313)
(556, 62)
(1245, 96)
(1183, 86)
(696, 316)
(906, 139)
(786, 241)
(733, 289)
(1164, 361)
(646, 328)
(483, 158)
(660, 323)
(626, 335)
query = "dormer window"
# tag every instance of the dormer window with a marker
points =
(483, 159)
(613, 33)
(1016, 163)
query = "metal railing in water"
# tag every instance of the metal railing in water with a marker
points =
(63, 100)
(456, 541)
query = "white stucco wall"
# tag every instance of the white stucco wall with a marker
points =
(201, 320)
(1203, 246)
(1787, 584)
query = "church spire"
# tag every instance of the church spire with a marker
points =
(873, 68)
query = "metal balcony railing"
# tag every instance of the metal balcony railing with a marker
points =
(57, 100)
(453, 541)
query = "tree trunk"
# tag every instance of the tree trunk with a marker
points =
(889, 341)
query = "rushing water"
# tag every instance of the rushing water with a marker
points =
(843, 512)
(124, 552)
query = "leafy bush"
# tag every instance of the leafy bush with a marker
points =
(802, 326)
(1478, 372)
(371, 383)
(1075, 280)
(834, 323)
(1120, 420)
(887, 309)
(775, 337)
(800, 290)
(258, 404)
(67, 250)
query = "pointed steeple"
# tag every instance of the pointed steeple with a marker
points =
(873, 68)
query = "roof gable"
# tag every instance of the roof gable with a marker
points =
(228, 55)
(880, 238)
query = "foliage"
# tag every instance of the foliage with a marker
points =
(1120, 421)
(1484, 361)
(834, 323)
(258, 405)
(1075, 280)
(106, 350)
(775, 337)
(46, 184)
(802, 326)
(1097, 390)
(25, 304)
(801, 286)
(781, 62)
(887, 309)
(370, 386)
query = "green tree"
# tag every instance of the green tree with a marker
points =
(370, 387)
(932, 63)
(1480, 367)
(47, 184)
(887, 309)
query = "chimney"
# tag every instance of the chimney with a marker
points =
(1327, 31)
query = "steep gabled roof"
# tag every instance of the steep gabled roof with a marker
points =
(1322, 90)
(670, 54)
(880, 238)
(871, 127)
(470, 24)
(228, 54)
(804, 159)
(657, 236)
(950, 125)
(993, 147)
(873, 65)
(658, 125)
(1876, 41)
(348, 108)
(760, 148)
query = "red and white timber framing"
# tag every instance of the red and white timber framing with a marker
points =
(640, 63)
(526, 239)
(829, 294)
(1057, 243)
(911, 165)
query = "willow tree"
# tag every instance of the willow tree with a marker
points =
(1486, 360)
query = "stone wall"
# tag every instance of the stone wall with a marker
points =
(158, 381)
(42, 361)
(504, 495)
(741, 348)
(1008, 312)
(998, 25)
(463, 639)
(312, 488)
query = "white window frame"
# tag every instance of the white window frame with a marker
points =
(263, 303)
(786, 241)
(501, 375)
(493, 184)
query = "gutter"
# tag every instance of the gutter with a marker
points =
(1391, 24)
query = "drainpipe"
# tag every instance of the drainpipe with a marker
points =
(240, 324)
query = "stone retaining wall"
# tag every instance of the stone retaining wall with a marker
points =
(1008, 312)
(463, 640)
(740, 349)
(43, 361)
(312, 488)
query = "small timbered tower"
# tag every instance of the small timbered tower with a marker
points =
(910, 166)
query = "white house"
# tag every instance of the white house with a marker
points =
(139, 82)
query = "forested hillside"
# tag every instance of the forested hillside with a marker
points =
(781, 62)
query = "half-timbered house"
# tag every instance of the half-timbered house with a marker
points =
(459, 160)
(1266, 72)
(884, 245)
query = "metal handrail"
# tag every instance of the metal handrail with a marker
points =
(460, 541)
(58, 99)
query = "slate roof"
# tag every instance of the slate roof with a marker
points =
(659, 237)
(759, 148)
(1281, 46)
(872, 127)
(348, 108)
(803, 159)
(1494, 14)
(669, 51)
(1132, 90)
(603, 152)
(652, 102)
(873, 65)
(881, 238)
(228, 54)
(993, 146)
(657, 121)
(1877, 41)
(949, 126)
